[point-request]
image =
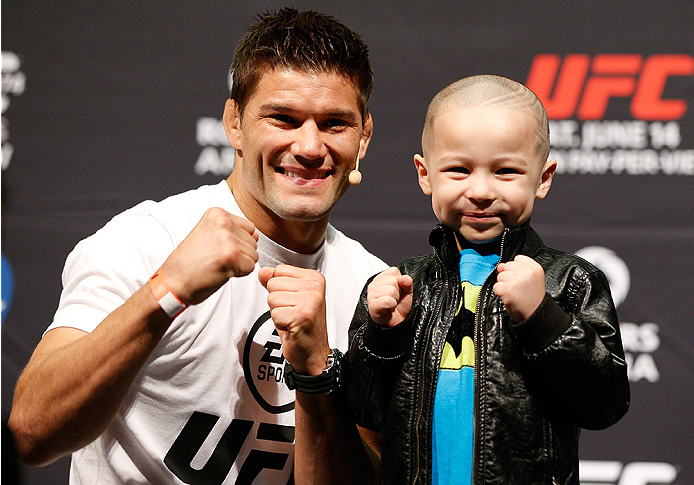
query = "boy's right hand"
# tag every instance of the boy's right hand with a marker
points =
(389, 296)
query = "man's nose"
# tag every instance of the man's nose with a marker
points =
(309, 143)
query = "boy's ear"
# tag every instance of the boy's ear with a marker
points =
(546, 179)
(232, 124)
(423, 174)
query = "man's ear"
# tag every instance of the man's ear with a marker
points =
(422, 174)
(366, 135)
(232, 124)
(546, 179)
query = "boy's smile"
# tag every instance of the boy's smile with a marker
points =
(482, 170)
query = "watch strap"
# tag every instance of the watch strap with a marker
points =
(324, 383)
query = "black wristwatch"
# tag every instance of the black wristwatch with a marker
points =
(324, 383)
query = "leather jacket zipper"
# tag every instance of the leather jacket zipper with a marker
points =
(420, 400)
(484, 292)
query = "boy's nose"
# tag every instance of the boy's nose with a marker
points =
(309, 143)
(480, 188)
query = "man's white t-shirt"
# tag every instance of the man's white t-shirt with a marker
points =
(210, 406)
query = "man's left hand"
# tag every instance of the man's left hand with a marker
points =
(297, 305)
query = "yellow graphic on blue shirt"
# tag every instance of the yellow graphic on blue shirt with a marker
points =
(458, 353)
(452, 430)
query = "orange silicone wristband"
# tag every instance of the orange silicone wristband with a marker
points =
(166, 298)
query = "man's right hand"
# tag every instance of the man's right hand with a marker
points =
(86, 376)
(219, 247)
(389, 296)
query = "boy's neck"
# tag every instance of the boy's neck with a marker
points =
(484, 247)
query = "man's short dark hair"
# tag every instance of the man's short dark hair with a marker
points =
(305, 41)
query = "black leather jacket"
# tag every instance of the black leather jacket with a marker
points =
(536, 383)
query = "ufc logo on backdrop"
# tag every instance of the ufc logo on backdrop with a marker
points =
(583, 86)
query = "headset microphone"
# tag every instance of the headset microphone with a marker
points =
(355, 175)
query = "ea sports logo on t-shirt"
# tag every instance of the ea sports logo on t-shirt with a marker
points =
(263, 367)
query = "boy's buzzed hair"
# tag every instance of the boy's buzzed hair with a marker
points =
(305, 41)
(489, 90)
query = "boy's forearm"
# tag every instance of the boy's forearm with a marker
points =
(580, 359)
(547, 324)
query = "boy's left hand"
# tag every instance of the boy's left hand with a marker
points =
(521, 286)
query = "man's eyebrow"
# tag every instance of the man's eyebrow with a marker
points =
(274, 108)
(346, 114)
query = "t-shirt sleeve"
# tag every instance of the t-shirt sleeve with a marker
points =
(106, 269)
(363, 263)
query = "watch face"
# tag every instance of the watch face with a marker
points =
(330, 361)
(289, 376)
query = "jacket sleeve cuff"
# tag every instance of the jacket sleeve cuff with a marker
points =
(543, 327)
(388, 342)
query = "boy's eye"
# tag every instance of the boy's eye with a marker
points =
(507, 171)
(458, 170)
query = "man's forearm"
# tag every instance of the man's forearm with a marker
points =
(75, 381)
(329, 448)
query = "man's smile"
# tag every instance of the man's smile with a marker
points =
(303, 174)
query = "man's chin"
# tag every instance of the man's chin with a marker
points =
(306, 207)
(303, 214)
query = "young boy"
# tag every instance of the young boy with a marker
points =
(481, 361)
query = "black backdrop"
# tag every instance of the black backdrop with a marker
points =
(107, 104)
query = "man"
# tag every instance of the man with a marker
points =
(162, 364)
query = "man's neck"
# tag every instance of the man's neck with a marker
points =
(301, 237)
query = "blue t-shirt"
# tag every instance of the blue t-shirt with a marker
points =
(453, 429)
